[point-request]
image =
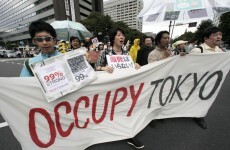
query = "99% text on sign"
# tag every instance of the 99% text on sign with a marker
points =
(52, 76)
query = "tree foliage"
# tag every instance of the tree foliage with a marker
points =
(225, 27)
(187, 36)
(97, 22)
(202, 27)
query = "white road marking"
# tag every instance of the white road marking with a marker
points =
(4, 124)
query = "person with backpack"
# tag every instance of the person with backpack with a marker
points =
(45, 37)
(211, 39)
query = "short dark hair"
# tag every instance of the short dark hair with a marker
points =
(113, 33)
(73, 38)
(41, 26)
(146, 37)
(159, 36)
(209, 31)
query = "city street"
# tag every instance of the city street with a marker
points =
(170, 134)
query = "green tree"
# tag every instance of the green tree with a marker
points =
(202, 27)
(225, 27)
(131, 34)
(2, 44)
(97, 22)
(187, 36)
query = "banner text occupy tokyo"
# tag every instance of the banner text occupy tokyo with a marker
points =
(134, 92)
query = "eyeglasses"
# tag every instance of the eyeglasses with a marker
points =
(41, 39)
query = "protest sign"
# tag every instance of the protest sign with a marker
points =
(93, 56)
(63, 74)
(120, 61)
(115, 106)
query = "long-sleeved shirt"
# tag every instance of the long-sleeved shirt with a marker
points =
(158, 54)
(142, 55)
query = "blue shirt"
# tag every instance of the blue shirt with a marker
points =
(25, 72)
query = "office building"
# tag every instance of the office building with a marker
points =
(126, 11)
(16, 15)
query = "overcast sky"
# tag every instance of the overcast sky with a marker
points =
(155, 27)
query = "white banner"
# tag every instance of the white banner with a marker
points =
(115, 106)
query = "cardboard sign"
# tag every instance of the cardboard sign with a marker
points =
(93, 55)
(120, 61)
(63, 74)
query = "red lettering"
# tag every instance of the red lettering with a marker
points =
(112, 59)
(134, 97)
(115, 102)
(120, 59)
(32, 127)
(86, 99)
(57, 118)
(95, 98)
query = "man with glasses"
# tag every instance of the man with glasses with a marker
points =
(44, 36)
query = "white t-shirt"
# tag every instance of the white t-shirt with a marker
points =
(206, 49)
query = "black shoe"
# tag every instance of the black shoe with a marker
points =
(201, 123)
(135, 143)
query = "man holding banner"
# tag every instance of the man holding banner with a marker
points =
(211, 39)
(161, 51)
(117, 39)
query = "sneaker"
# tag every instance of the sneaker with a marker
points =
(135, 143)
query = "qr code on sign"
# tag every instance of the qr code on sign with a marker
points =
(77, 64)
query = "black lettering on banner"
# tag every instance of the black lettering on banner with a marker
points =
(152, 83)
(178, 84)
(219, 78)
(77, 64)
(196, 83)
(162, 87)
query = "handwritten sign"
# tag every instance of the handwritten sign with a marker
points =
(120, 61)
(63, 74)
(93, 55)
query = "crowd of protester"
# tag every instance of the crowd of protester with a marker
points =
(142, 52)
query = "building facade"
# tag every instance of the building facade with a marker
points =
(126, 11)
(16, 15)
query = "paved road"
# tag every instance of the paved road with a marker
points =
(171, 134)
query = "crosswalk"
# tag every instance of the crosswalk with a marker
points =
(14, 60)
(4, 124)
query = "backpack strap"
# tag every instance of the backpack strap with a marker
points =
(201, 49)
(28, 67)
